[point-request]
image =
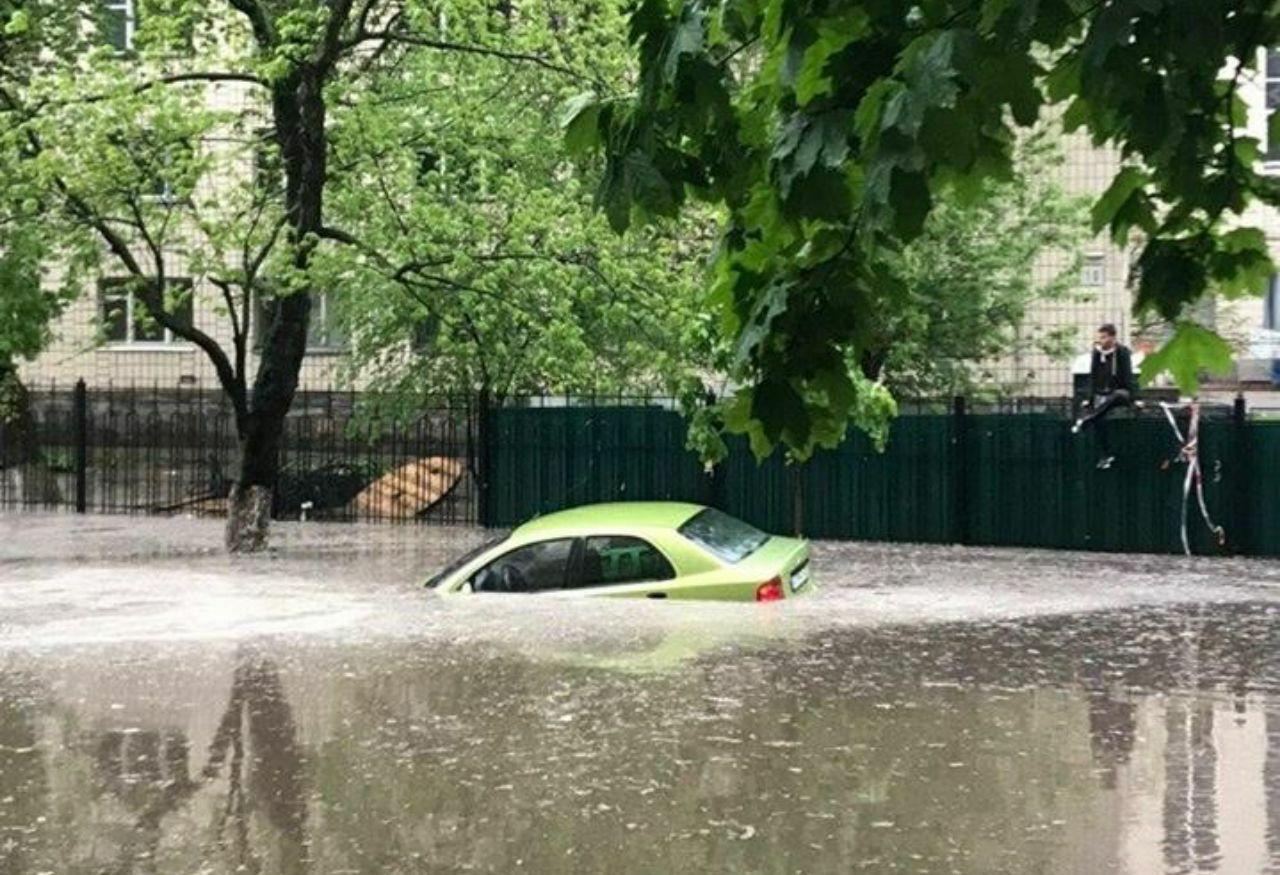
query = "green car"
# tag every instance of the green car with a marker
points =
(657, 550)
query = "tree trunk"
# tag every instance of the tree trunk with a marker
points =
(262, 429)
(299, 111)
(20, 459)
(249, 503)
(871, 363)
(17, 445)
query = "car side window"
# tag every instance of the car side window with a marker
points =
(532, 568)
(612, 559)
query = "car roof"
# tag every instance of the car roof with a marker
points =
(614, 515)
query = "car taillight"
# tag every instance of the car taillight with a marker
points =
(770, 591)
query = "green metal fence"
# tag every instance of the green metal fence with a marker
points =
(542, 459)
(986, 479)
(1263, 477)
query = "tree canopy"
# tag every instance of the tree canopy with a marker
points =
(250, 146)
(828, 131)
(480, 264)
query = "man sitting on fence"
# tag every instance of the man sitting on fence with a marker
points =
(1111, 383)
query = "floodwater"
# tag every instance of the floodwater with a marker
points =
(167, 709)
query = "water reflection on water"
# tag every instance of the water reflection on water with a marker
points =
(1142, 740)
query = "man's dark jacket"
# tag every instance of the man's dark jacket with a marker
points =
(1112, 370)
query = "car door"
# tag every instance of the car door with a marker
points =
(622, 565)
(538, 567)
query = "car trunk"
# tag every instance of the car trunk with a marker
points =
(791, 555)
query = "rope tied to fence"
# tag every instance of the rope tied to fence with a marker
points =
(1189, 453)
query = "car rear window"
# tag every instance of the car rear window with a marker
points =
(730, 539)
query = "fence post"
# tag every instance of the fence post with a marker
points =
(1241, 537)
(81, 427)
(797, 498)
(959, 471)
(483, 461)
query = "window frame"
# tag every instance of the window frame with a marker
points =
(162, 190)
(571, 572)
(319, 321)
(579, 580)
(128, 10)
(1270, 151)
(319, 309)
(1093, 270)
(116, 287)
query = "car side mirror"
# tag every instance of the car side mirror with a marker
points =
(467, 586)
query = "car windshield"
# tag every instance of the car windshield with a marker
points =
(463, 560)
(730, 539)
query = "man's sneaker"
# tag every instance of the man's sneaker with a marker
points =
(1079, 424)
(1105, 462)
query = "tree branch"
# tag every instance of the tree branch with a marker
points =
(120, 248)
(425, 42)
(332, 44)
(263, 30)
(197, 76)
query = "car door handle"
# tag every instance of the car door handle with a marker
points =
(656, 595)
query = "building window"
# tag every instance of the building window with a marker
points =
(119, 23)
(166, 164)
(1273, 98)
(324, 333)
(125, 320)
(1093, 271)
(1271, 305)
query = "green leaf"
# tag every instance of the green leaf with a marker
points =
(866, 119)
(1063, 81)
(1193, 349)
(781, 411)
(614, 197)
(1173, 274)
(1242, 264)
(834, 35)
(19, 23)
(1126, 182)
(771, 304)
(993, 11)
(581, 125)
(739, 418)
(646, 185)
(909, 196)
(1111, 28)
(687, 39)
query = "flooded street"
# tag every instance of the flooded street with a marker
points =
(165, 708)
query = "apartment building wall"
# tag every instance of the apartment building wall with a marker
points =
(1103, 293)
(1100, 292)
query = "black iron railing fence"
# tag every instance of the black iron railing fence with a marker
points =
(996, 472)
(175, 451)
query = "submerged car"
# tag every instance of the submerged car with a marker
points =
(659, 550)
